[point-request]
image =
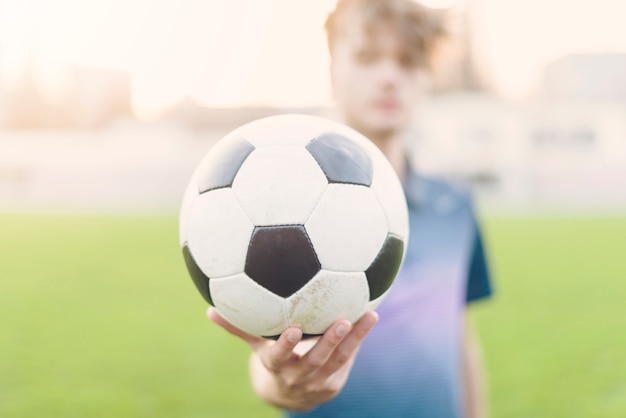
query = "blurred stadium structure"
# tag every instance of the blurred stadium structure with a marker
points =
(564, 148)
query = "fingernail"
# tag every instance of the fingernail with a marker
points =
(293, 335)
(210, 312)
(370, 321)
(342, 329)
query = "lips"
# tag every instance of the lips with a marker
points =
(387, 104)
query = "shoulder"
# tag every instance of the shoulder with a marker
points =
(441, 193)
(439, 185)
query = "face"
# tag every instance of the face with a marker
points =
(374, 80)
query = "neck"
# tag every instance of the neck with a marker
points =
(392, 146)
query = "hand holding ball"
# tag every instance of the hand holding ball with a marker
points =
(293, 220)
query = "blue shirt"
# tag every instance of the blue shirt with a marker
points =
(409, 365)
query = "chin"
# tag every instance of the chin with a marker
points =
(376, 133)
(388, 126)
(377, 126)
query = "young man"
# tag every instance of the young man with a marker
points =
(419, 360)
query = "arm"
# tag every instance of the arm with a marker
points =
(474, 386)
(292, 374)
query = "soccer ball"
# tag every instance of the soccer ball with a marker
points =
(293, 220)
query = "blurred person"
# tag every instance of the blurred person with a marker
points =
(420, 358)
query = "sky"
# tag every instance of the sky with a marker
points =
(268, 52)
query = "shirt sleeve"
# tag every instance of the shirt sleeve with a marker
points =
(479, 279)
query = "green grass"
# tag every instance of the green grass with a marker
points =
(98, 318)
(554, 338)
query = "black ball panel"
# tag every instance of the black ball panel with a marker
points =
(381, 273)
(199, 278)
(304, 336)
(281, 258)
(220, 172)
(341, 159)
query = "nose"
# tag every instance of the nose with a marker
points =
(390, 71)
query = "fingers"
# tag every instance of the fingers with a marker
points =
(324, 348)
(281, 352)
(334, 349)
(345, 351)
(214, 316)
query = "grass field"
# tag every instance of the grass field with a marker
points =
(99, 319)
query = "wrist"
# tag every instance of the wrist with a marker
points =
(266, 387)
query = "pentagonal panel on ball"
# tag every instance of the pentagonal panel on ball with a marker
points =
(342, 159)
(347, 228)
(281, 258)
(222, 162)
(200, 279)
(381, 273)
(218, 233)
(249, 306)
(327, 297)
(279, 185)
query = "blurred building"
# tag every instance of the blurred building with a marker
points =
(566, 148)
(540, 153)
(98, 96)
(199, 117)
(92, 99)
(25, 107)
(516, 155)
(586, 77)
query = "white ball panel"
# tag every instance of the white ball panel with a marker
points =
(390, 194)
(248, 306)
(347, 228)
(294, 130)
(218, 233)
(279, 185)
(327, 297)
(189, 198)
